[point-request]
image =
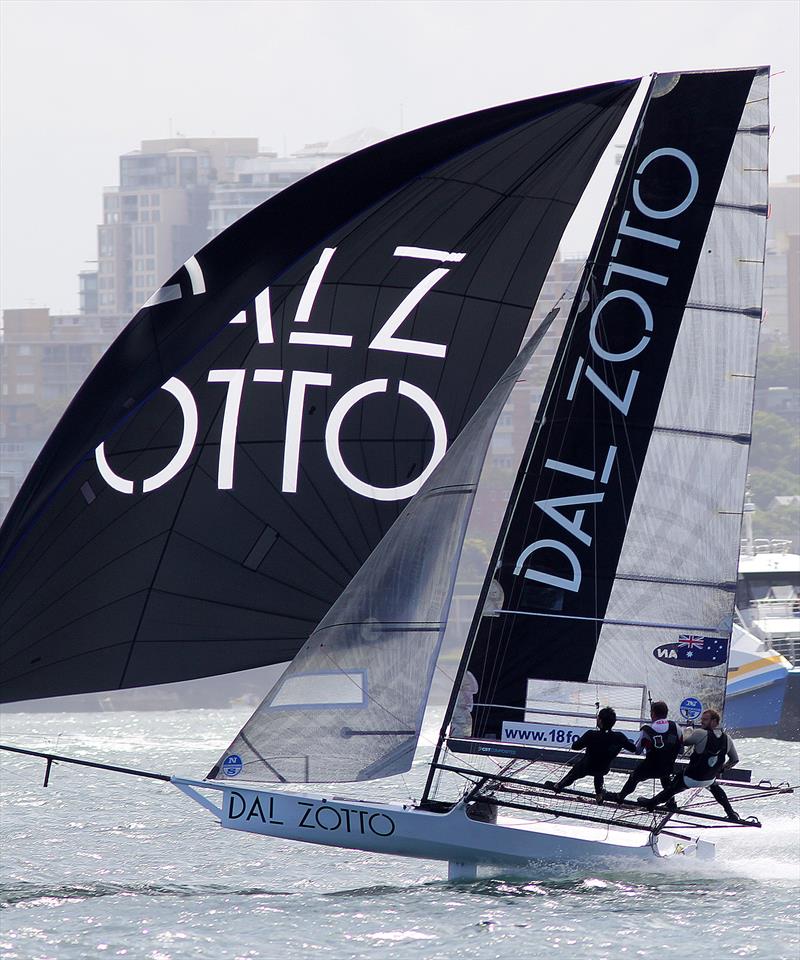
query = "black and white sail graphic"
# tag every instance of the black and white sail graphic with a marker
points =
(618, 560)
(257, 428)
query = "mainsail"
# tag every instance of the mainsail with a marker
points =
(618, 557)
(254, 432)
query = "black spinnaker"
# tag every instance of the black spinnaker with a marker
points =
(258, 426)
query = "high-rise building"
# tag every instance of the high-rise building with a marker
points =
(43, 360)
(173, 196)
(252, 180)
(158, 215)
(782, 267)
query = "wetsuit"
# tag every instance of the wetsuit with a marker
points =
(662, 744)
(602, 747)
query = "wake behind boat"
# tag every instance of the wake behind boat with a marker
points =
(611, 583)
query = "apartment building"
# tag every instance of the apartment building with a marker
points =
(44, 358)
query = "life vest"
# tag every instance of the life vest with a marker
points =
(663, 748)
(708, 764)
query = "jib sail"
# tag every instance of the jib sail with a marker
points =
(350, 705)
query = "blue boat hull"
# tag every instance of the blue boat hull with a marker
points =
(772, 710)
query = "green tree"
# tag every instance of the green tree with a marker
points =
(779, 369)
(779, 523)
(776, 444)
(766, 485)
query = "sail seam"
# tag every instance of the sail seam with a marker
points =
(513, 195)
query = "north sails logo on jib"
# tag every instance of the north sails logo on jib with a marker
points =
(232, 765)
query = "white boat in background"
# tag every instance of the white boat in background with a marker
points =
(769, 595)
(763, 691)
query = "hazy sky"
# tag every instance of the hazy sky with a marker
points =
(83, 82)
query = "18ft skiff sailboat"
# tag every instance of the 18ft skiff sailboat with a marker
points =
(616, 560)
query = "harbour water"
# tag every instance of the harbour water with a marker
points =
(104, 865)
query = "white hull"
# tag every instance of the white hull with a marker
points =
(398, 830)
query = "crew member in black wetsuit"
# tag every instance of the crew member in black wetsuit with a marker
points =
(710, 745)
(661, 741)
(602, 746)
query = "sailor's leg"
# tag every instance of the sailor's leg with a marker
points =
(598, 787)
(669, 804)
(569, 777)
(721, 797)
(675, 787)
(575, 773)
(461, 724)
(631, 783)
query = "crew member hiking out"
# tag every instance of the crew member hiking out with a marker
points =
(661, 742)
(710, 745)
(602, 746)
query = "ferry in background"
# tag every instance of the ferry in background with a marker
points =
(763, 692)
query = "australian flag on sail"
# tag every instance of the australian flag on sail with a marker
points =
(692, 650)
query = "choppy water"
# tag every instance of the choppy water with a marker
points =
(101, 865)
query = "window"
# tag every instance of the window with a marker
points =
(105, 239)
(502, 443)
(25, 388)
(336, 689)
